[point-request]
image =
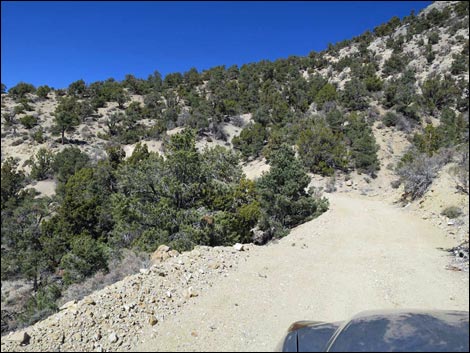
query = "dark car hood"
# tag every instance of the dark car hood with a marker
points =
(384, 331)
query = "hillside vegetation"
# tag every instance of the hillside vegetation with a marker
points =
(143, 162)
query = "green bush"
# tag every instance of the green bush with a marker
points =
(77, 88)
(390, 119)
(29, 121)
(283, 199)
(439, 93)
(66, 163)
(433, 38)
(429, 53)
(373, 83)
(460, 63)
(189, 198)
(335, 120)
(400, 92)
(38, 136)
(66, 116)
(87, 256)
(461, 8)
(43, 91)
(41, 164)
(363, 147)
(320, 150)
(326, 94)
(395, 64)
(40, 305)
(18, 109)
(20, 90)
(13, 181)
(251, 140)
(387, 28)
(437, 17)
(354, 95)
(429, 141)
(452, 212)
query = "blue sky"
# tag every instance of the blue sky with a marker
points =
(56, 43)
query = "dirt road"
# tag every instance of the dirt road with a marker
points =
(362, 254)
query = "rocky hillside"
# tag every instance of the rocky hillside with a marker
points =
(382, 116)
(115, 317)
(440, 29)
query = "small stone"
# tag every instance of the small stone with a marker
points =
(349, 183)
(153, 321)
(168, 294)
(189, 293)
(59, 337)
(113, 337)
(163, 248)
(238, 247)
(89, 301)
(68, 305)
(173, 253)
(195, 253)
(214, 265)
(144, 271)
(450, 222)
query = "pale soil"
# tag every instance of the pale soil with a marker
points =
(362, 254)
(45, 187)
(254, 169)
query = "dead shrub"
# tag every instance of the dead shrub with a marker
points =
(418, 175)
(128, 263)
(460, 172)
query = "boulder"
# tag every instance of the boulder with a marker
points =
(173, 253)
(259, 237)
(160, 255)
(68, 305)
(20, 337)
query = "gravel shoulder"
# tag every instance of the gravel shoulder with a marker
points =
(362, 254)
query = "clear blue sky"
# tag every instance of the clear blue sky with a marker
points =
(56, 43)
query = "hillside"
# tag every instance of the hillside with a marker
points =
(358, 152)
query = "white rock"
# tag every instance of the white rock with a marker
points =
(113, 337)
(20, 337)
(238, 247)
(68, 305)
